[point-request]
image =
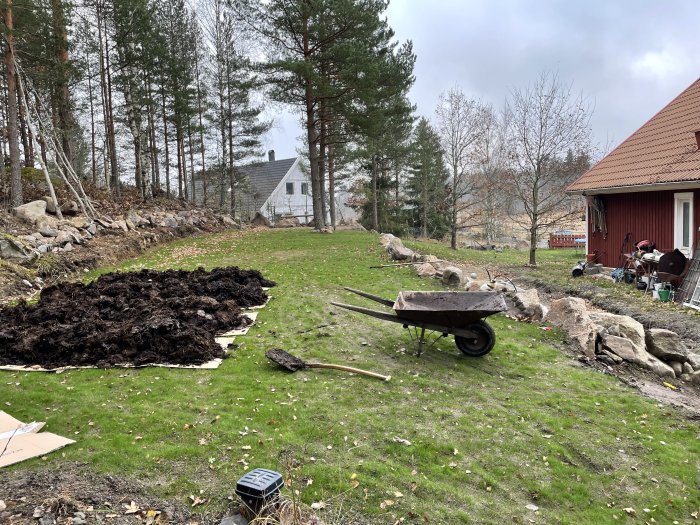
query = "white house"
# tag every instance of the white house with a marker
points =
(276, 188)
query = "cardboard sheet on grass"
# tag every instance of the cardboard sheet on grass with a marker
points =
(21, 441)
(224, 340)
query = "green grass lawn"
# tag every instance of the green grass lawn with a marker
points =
(523, 425)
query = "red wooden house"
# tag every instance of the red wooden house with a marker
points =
(648, 188)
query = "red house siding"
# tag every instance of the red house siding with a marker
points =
(648, 215)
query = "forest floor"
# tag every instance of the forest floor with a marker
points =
(526, 434)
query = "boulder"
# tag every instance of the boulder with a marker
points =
(287, 222)
(694, 360)
(386, 238)
(70, 208)
(92, 229)
(32, 212)
(630, 352)
(429, 258)
(168, 222)
(399, 252)
(351, 226)
(666, 345)
(62, 238)
(695, 378)
(621, 326)
(79, 222)
(68, 247)
(260, 220)
(228, 221)
(50, 206)
(14, 251)
(528, 302)
(571, 314)
(452, 277)
(475, 286)
(677, 367)
(426, 270)
(687, 368)
(47, 231)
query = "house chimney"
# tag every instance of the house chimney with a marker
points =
(271, 155)
(697, 138)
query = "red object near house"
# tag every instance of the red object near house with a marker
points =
(649, 186)
(566, 240)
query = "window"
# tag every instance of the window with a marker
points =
(290, 188)
(683, 227)
(304, 188)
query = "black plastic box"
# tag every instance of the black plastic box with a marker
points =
(259, 488)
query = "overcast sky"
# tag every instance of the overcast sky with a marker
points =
(630, 58)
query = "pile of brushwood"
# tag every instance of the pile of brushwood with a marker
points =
(139, 318)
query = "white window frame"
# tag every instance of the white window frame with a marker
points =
(678, 200)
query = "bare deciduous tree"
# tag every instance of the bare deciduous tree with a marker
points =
(460, 125)
(545, 122)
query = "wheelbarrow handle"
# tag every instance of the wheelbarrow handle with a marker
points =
(381, 300)
(349, 369)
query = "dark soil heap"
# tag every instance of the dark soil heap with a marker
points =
(131, 318)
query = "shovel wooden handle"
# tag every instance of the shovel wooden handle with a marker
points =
(349, 369)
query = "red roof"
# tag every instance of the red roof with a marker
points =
(662, 151)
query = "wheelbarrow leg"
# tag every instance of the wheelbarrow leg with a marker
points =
(421, 341)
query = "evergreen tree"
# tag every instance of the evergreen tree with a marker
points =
(427, 183)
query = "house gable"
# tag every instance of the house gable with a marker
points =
(662, 154)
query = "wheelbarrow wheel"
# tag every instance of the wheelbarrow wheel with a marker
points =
(480, 345)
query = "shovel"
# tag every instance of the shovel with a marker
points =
(293, 364)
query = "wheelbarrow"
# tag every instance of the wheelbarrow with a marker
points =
(457, 313)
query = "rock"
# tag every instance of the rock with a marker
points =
(32, 212)
(50, 206)
(528, 302)
(429, 258)
(475, 286)
(426, 270)
(27, 283)
(386, 238)
(687, 368)
(129, 224)
(62, 238)
(14, 251)
(666, 345)
(234, 519)
(630, 352)
(686, 377)
(287, 222)
(92, 229)
(79, 222)
(452, 277)
(350, 226)
(228, 221)
(694, 360)
(571, 314)
(122, 224)
(68, 247)
(260, 220)
(677, 367)
(136, 219)
(70, 208)
(399, 252)
(622, 326)
(47, 231)
(44, 248)
(695, 378)
(616, 359)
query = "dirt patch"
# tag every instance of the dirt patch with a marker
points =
(131, 318)
(75, 495)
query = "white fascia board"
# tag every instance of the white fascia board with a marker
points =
(685, 185)
(282, 181)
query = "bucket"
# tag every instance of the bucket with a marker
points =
(664, 296)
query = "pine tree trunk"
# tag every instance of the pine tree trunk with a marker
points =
(111, 136)
(16, 174)
(331, 184)
(23, 131)
(165, 140)
(178, 146)
(189, 142)
(93, 152)
(375, 195)
(309, 101)
(62, 94)
(453, 211)
(200, 110)
(323, 138)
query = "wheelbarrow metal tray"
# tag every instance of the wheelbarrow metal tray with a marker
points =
(448, 308)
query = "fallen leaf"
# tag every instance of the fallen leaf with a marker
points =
(246, 447)
(202, 441)
(132, 508)
(413, 486)
(318, 505)
(354, 483)
(532, 507)
(397, 494)
(630, 511)
(386, 503)
(196, 500)
(403, 441)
